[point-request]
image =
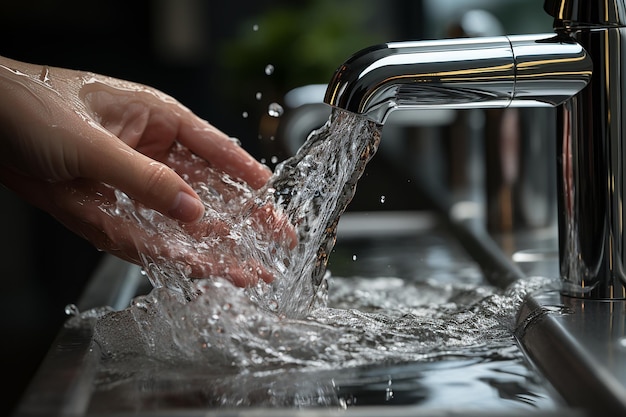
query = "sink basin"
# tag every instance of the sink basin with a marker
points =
(415, 247)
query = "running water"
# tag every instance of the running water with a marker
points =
(287, 343)
(314, 187)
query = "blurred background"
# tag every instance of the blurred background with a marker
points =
(227, 61)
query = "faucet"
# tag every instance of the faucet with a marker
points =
(577, 69)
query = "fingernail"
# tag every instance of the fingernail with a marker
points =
(187, 208)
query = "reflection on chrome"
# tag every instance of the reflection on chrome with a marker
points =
(525, 70)
(578, 68)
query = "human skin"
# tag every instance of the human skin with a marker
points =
(69, 137)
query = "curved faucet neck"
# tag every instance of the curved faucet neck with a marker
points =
(518, 71)
(581, 70)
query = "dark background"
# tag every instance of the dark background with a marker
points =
(208, 56)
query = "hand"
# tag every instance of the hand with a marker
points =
(69, 136)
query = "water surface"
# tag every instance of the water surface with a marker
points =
(421, 334)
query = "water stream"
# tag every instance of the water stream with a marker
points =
(308, 338)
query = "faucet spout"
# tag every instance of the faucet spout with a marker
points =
(580, 69)
(497, 72)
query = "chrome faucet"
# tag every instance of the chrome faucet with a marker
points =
(578, 68)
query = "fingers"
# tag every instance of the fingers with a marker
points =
(240, 273)
(277, 223)
(222, 152)
(78, 204)
(150, 123)
(186, 207)
(152, 183)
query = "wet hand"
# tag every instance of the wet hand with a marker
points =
(69, 136)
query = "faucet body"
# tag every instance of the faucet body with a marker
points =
(578, 68)
(486, 72)
(592, 153)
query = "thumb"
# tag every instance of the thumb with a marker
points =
(150, 182)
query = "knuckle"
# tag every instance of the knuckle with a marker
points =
(157, 178)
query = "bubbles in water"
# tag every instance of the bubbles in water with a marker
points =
(275, 110)
(305, 321)
(269, 69)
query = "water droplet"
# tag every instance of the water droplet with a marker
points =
(255, 28)
(388, 391)
(382, 199)
(343, 404)
(263, 161)
(139, 303)
(388, 394)
(258, 95)
(269, 69)
(244, 115)
(275, 110)
(71, 310)
(354, 257)
(274, 159)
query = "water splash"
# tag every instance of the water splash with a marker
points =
(306, 324)
(311, 189)
(314, 187)
(224, 351)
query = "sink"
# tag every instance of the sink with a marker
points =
(412, 246)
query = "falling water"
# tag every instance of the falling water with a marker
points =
(306, 338)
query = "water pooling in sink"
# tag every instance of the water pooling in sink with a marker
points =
(308, 339)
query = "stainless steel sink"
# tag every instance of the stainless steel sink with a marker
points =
(575, 348)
